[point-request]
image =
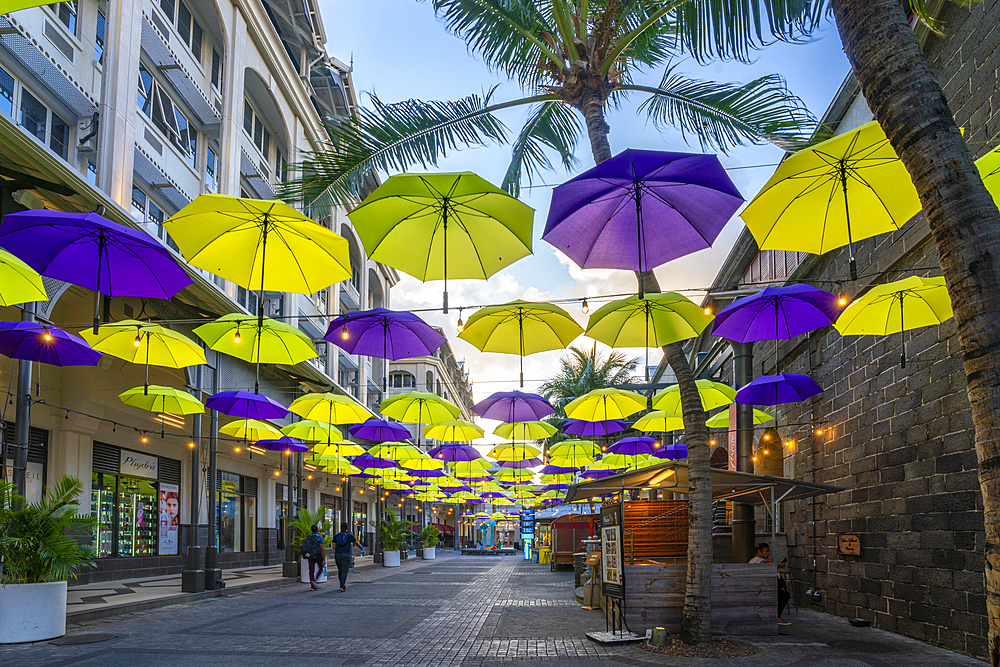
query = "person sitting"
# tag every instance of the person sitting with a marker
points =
(763, 551)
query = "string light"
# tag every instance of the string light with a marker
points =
(191, 445)
(237, 338)
(819, 431)
(309, 476)
(344, 333)
(711, 442)
(277, 473)
(708, 310)
(461, 324)
(47, 336)
(138, 340)
(145, 439)
(843, 301)
(237, 450)
(586, 307)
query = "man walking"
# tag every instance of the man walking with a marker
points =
(343, 541)
(312, 551)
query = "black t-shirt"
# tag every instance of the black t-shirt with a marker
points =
(343, 542)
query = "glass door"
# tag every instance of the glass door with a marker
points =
(102, 507)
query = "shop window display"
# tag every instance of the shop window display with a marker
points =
(127, 515)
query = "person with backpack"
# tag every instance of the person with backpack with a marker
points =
(312, 551)
(342, 554)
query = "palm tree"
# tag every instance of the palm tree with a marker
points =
(582, 371)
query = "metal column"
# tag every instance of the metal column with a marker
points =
(744, 527)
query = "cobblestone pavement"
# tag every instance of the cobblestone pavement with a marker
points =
(457, 611)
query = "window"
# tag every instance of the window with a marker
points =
(153, 101)
(216, 70)
(253, 125)
(247, 299)
(401, 379)
(102, 24)
(237, 513)
(168, 8)
(59, 137)
(66, 13)
(92, 172)
(212, 171)
(146, 210)
(33, 115)
(6, 93)
(280, 166)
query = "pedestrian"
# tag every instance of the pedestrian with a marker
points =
(312, 551)
(763, 556)
(344, 542)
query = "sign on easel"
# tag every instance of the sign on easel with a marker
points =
(612, 564)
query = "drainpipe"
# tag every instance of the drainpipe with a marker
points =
(22, 414)
(744, 529)
(193, 577)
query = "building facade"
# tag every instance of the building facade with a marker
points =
(140, 106)
(899, 440)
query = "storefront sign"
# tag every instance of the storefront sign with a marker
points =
(849, 545)
(170, 520)
(135, 464)
(33, 480)
(527, 524)
(611, 549)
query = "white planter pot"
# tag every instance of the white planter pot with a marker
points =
(304, 572)
(430, 553)
(32, 612)
(390, 559)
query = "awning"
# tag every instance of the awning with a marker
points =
(250, 171)
(672, 476)
(163, 58)
(159, 180)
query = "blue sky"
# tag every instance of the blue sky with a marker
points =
(401, 51)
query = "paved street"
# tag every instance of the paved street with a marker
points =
(458, 610)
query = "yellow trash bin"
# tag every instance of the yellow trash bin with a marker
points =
(544, 556)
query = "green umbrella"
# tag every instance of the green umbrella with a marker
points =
(433, 226)
(521, 328)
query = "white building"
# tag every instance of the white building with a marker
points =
(140, 106)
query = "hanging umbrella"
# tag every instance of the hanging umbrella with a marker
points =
(379, 430)
(155, 398)
(329, 408)
(8, 6)
(641, 209)
(310, 430)
(659, 421)
(642, 445)
(523, 463)
(520, 328)
(514, 475)
(336, 449)
(257, 341)
(522, 494)
(713, 395)
(250, 430)
(145, 343)
(574, 448)
(397, 451)
(341, 467)
(672, 452)
(563, 478)
(609, 403)
(625, 460)
(457, 430)
(598, 473)
(845, 189)
(419, 407)
(559, 470)
(651, 320)
(777, 313)
(474, 468)
(583, 428)
(422, 465)
(283, 444)
(433, 226)
(778, 389)
(369, 462)
(19, 283)
(895, 307)
(246, 404)
(88, 250)
(453, 452)
(534, 430)
(721, 420)
(514, 452)
(989, 170)
(574, 461)
(382, 333)
(48, 345)
(513, 406)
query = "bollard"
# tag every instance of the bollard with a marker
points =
(659, 637)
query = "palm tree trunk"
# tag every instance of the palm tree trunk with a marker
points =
(597, 129)
(909, 104)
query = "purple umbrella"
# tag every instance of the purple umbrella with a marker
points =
(48, 345)
(556, 470)
(597, 474)
(641, 209)
(452, 453)
(526, 463)
(633, 446)
(283, 444)
(583, 428)
(383, 333)
(246, 404)
(513, 406)
(777, 313)
(367, 461)
(379, 430)
(427, 473)
(672, 452)
(778, 389)
(555, 487)
(88, 250)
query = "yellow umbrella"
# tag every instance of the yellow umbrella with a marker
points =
(564, 478)
(156, 398)
(713, 395)
(19, 283)
(258, 244)
(422, 464)
(249, 429)
(525, 430)
(419, 407)
(604, 404)
(514, 474)
(340, 469)
(458, 430)
(616, 461)
(338, 449)
(522, 494)
(570, 461)
(659, 421)
(514, 452)
(329, 408)
(145, 343)
(574, 448)
(895, 307)
(989, 169)
(520, 328)
(844, 189)
(721, 420)
(334, 463)
(397, 451)
(476, 467)
(310, 430)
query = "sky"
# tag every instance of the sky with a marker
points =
(399, 50)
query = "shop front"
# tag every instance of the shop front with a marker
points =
(360, 521)
(333, 507)
(236, 506)
(37, 457)
(281, 511)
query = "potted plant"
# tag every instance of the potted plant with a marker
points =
(302, 526)
(40, 549)
(430, 536)
(393, 537)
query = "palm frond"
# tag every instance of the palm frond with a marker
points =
(734, 29)
(921, 9)
(723, 115)
(552, 125)
(506, 34)
(390, 137)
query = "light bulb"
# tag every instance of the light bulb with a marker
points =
(755, 458)
(191, 445)
(237, 450)
(461, 325)
(765, 452)
(819, 431)
(767, 436)
(309, 476)
(277, 473)
(237, 338)
(344, 333)
(711, 442)
(47, 336)
(586, 307)
(145, 439)
(843, 301)
(708, 310)
(138, 340)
